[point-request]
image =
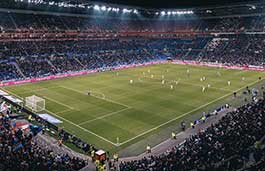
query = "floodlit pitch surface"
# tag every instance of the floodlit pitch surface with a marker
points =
(131, 111)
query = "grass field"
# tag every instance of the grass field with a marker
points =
(134, 111)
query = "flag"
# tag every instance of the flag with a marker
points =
(34, 129)
(3, 107)
(19, 146)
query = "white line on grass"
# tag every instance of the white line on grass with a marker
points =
(191, 84)
(148, 131)
(104, 116)
(38, 90)
(178, 117)
(60, 103)
(64, 111)
(105, 139)
(12, 93)
(223, 89)
(109, 100)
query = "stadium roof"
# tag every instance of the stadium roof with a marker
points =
(173, 3)
(164, 9)
(158, 4)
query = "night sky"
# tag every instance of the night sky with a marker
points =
(173, 3)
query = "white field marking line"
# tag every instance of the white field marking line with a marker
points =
(96, 97)
(184, 82)
(60, 103)
(73, 123)
(64, 111)
(242, 71)
(223, 89)
(38, 90)
(104, 116)
(105, 139)
(12, 93)
(202, 106)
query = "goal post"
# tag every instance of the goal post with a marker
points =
(35, 103)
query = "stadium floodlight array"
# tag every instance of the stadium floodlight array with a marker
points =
(35, 103)
(69, 5)
(104, 8)
(175, 13)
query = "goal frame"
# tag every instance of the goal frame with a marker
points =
(35, 103)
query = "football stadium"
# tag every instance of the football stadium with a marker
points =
(132, 85)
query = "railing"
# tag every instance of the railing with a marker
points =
(39, 119)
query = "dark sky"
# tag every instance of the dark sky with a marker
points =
(174, 3)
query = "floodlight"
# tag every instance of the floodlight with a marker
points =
(103, 8)
(96, 7)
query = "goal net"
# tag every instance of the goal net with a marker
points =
(35, 103)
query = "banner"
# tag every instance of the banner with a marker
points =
(227, 66)
(50, 118)
(52, 77)
(195, 63)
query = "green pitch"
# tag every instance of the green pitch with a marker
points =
(120, 112)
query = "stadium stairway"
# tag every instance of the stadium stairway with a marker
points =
(51, 143)
(180, 138)
(50, 63)
(13, 21)
(78, 61)
(19, 70)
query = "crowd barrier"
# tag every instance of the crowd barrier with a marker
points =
(46, 123)
(195, 63)
(227, 66)
(65, 75)
(115, 68)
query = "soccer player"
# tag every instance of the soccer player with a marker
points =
(163, 82)
(171, 87)
(218, 73)
(131, 81)
(203, 88)
(229, 83)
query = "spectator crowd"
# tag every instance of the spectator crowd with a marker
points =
(20, 150)
(227, 145)
(40, 45)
